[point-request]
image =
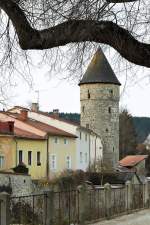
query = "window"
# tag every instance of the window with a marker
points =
(2, 162)
(68, 162)
(56, 140)
(87, 125)
(86, 157)
(89, 95)
(85, 137)
(109, 109)
(11, 128)
(53, 162)
(80, 135)
(20, 156)
(111, 91)
(65, 141)
(106, 129)
(38, 158)
(83, 109)
(29, 157)
(81, 157)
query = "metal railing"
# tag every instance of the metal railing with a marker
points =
(0, 212)
(75, 206)
(138, 196)
(117, 201)
(28, 210)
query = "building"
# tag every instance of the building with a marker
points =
(133, 163)
(99, 98)
(46, 151)
(88, 144)
(20, 146)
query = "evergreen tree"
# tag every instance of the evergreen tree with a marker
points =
(127, 134)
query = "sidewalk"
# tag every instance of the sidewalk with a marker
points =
(137, 218)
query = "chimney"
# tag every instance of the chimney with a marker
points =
(23, 115)
(35, 107)
(56, 113)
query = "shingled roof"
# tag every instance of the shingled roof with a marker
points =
(99, 71)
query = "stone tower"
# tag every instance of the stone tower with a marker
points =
(99, 100)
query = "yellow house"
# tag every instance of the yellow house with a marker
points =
(61, 148)
(19, 146)
(44, 149)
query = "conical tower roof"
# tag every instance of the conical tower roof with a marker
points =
(99, 71)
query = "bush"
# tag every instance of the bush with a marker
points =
(21, 168)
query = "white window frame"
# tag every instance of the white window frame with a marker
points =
(81, 157)
(65, 141)
(53, 165)
(2, 161)
(86, 157)
(86, 137)
(68, 162)
(20, 150)
(56, 138)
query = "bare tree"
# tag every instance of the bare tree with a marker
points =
(79, 25)
(45, 24)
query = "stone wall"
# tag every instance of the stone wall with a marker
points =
(100, 111)
(18, 184)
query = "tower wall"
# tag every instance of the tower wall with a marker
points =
(100, 112)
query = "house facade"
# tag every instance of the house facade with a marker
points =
(88, 145)
(45, 155)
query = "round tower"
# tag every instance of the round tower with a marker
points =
(99, 101)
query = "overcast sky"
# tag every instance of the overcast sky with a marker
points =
(65, 96)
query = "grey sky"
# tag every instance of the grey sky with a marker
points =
(64, 95)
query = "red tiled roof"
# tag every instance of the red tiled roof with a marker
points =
(132, 160)
(48, 129)
(57, 118)
(51, 130)
(45, 114)
(17, 106)
(44, 127)
(26, 134)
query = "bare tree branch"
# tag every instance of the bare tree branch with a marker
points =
(74, 31)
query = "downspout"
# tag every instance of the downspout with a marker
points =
(16, 149)
(95, 154)
(89, 153)
(47, 159)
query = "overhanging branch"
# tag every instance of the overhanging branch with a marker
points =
(73, 31)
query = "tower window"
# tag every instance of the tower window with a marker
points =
(83, 109)
(109, 109)
(87, 125)
(111, 91)
(89, 95)
(106, 129)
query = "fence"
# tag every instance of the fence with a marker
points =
(74, 206)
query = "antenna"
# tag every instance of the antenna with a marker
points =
(38, 94)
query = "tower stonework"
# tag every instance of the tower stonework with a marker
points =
(99, 101)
